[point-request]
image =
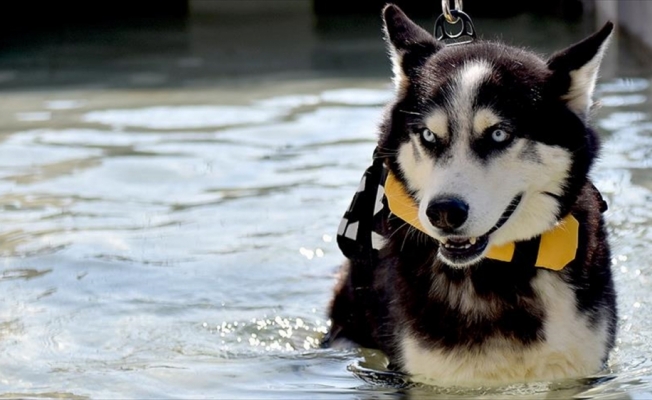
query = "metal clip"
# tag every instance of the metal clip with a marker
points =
(454, 26)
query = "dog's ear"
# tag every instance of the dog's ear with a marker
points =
(409, 44)
(575, 70)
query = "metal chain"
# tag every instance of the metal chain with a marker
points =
(446, 9)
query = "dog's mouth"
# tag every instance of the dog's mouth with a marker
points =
(462, 251)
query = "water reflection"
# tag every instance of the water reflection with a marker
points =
(161, 249)
(179, 242)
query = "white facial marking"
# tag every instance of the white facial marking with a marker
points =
(483, 119)
(537, 211)
(415, 170)
(572, 346)
(437, 122)
(489, 188)
(467, 83)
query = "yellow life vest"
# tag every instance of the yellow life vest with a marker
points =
(557, 247)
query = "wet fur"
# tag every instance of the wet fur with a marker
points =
(489, 322)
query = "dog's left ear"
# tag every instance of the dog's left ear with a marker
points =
(575, 70)
(409, 45)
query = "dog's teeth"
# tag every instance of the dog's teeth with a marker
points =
(472, 240)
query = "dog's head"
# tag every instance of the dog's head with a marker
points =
(491, 141)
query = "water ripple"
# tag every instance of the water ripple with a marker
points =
(179, 250)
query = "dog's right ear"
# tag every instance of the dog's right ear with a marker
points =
(409, 44)
(575, 70)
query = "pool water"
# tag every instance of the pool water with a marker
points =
(172, 235)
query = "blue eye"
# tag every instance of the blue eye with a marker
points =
(499, 136)
(428, 136)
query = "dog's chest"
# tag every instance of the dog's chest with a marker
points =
(571, 347)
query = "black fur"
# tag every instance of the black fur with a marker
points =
(375, 298)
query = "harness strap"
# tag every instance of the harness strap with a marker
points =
(359, 235)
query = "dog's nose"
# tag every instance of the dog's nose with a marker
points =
(447, 213)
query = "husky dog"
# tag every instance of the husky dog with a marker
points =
(491, 147)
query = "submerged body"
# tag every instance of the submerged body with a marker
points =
(493, 148)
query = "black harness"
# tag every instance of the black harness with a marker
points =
(360, 234)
